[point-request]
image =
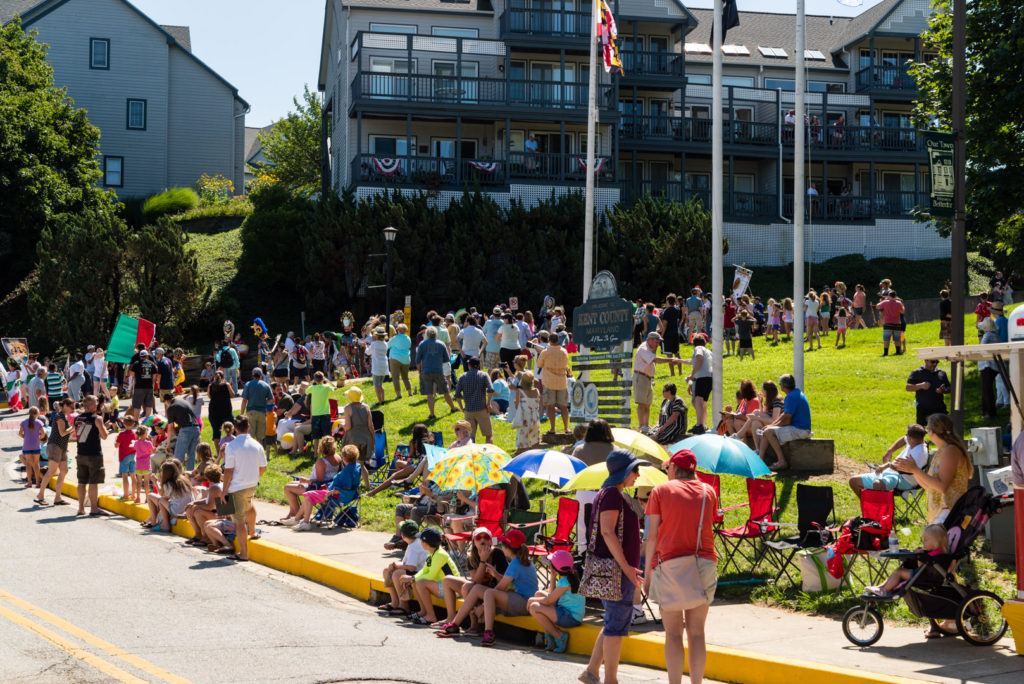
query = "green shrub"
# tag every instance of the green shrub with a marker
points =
(169, 202)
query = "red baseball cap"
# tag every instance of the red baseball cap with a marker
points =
(513, 539)
(684, 459)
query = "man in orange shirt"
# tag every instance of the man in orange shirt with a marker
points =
(553, 364)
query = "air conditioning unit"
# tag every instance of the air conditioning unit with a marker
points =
(985, 446)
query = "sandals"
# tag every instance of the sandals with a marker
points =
(225, 549)
(399, 611)
(419, 620)
(62, 502)
(236, 557)
(41, 502)
(387, 607)
(146, 525)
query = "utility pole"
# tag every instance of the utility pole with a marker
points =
(717, 315)
(799, 200)
(958, 256)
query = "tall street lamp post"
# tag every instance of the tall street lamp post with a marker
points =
(390, 234)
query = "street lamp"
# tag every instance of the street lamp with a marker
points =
(390, 233)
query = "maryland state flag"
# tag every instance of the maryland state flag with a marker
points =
(609, 33)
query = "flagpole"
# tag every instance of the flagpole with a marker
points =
(716, 219)
(588, 220)
(799, 199)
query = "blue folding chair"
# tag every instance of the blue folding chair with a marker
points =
(382, 463)
(438, 439)
(332, 513)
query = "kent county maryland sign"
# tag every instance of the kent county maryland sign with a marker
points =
(605, 320)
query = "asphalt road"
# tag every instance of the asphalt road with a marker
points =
(100, 600)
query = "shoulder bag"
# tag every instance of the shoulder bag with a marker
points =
(676, 583)
(602, 577)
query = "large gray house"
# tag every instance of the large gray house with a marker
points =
(445, 94)
(165, 117)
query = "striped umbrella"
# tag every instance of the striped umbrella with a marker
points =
(545, 464)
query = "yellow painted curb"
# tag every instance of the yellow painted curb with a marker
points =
(723, 663)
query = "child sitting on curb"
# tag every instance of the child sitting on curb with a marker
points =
(412, 562)
(427, 582)
(561, 605)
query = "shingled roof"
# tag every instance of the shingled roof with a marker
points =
(859, 26)
(11, 8)
(182, 34)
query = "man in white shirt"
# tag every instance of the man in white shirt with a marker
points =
(76, 378)
(644, 362)
(244, 465)
(885, 477)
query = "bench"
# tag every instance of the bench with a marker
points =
(813, 455)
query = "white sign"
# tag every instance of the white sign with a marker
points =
(740, 282)
(590, 401)
(513, 303)
(408, 301)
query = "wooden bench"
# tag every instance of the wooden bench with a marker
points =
(813, 455)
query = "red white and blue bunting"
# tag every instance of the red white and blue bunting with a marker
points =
(599, 163)
(486, 167)
(387, 166)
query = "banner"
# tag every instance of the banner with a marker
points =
(599, 163)
(387, 166)
(486, 167)
(740, 282)
(941, 172)
(127, 333)
(15, 348)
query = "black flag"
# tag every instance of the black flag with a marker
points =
(730, 19)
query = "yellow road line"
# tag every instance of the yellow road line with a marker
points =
(80, 653)
(92, 640)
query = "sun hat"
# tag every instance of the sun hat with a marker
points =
(482, 532)
(995, 306)
(561, 560)
(432, 536)
(514, 539)
(684, 459)
(409, 528)
(620, 464)
(354, 394)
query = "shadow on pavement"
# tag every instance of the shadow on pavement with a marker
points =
(211, 563)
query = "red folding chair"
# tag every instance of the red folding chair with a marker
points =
(715, 483)
(490, 506)
(881, 506)
(564, 536)
(758, 528)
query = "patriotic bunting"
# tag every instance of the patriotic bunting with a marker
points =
(598, 163)
(387, 166)
(486, 167)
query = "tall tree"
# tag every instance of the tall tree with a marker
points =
(48, 165)
(292, 146)
(995, 112)
(78, 290)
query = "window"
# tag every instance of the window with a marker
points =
(772, 52)
(136, 115)
(392, 28)
(735, 50)
(454, 32)
(113, 172)
(388, 77)
(742, 81)
(814, 54)
(786, 84)
(789, 85)
(699, 79)
(697, 48)
(99, 53)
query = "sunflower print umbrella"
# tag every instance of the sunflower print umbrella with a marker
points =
(472, 467)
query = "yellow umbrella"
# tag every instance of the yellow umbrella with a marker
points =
(640, 445)
(472, 467)
(594, 476)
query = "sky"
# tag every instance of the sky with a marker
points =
(269, 49)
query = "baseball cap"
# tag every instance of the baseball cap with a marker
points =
(158, 350)
(654, 336)
(143, 352)
(482, 532)
(561, 560)
(620, 464)
(513, 539)
(431, 536)
(684, 459)
(409, 528)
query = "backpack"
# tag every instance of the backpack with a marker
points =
(224, 358)
(864, 534)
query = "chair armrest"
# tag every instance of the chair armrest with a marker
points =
(733, 508)
(537, 523)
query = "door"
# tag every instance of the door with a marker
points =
(660, 176)
(449, 88)
(550, 86)
(517, 82)
(657, 60)
(388, 78)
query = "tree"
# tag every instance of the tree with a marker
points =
(995, 112)
(78, 291)
(48, 164)
(164, 278)
(292, 146)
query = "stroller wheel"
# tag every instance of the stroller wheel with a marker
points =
(980, 620)
(863, 625)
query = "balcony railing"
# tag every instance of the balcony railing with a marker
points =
(886, 78)
(465, 90)
(521, 166)
(656, 63)
(638, 128)
(556, 23)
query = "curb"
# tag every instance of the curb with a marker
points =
(723, 663)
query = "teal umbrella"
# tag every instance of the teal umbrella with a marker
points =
(723, 455)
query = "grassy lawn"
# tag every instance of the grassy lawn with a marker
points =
(217, 254)
(857, 398)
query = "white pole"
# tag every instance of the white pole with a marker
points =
(588, 221)
(716, 220)
(799, 199)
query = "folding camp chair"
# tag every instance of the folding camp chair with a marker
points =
(815, 512)
(438, 439)
(713, 481)
(332, 513)
(382, 463)
(491, 513)
(908, 503)
(759, 527)
(874, 505)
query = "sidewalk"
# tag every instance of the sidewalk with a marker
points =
(749, 641)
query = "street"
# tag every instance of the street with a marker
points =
(96, 600)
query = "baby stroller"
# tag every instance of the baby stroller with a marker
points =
(932, 591)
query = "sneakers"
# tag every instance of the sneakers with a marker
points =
(488, 638)
(639, 617)
(303, 527)
(290, 521)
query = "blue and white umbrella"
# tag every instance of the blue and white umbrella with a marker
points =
(723, 455)
(545, 464)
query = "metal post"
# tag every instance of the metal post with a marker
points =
(588, 220)
(716, 220)
(387, 288)
(799, 199)
(958, 254)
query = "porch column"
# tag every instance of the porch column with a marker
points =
(823, 192)
(408, 52)
(633, 180)
(508, 148)
(732, 178)
(871, 189)
(732, 124)
(357, 172)
(408, 144)
(561, 145)
(458, 150)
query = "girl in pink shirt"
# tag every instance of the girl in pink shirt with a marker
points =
(143, 451)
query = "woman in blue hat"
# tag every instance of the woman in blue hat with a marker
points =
(615, 534)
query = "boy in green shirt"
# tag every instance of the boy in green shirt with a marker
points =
(427, 582)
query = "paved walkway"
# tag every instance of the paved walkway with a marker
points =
(901, 651)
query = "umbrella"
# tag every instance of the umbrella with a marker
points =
(472, 467)
(435, 454)
(723, 455)
(154, 420)
(594, 476)
(641, 445)
(545, 464)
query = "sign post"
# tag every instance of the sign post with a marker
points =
(603, 328)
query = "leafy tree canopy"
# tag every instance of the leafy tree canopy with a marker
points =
(292, 147)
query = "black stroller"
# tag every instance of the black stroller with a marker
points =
(932, 591)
